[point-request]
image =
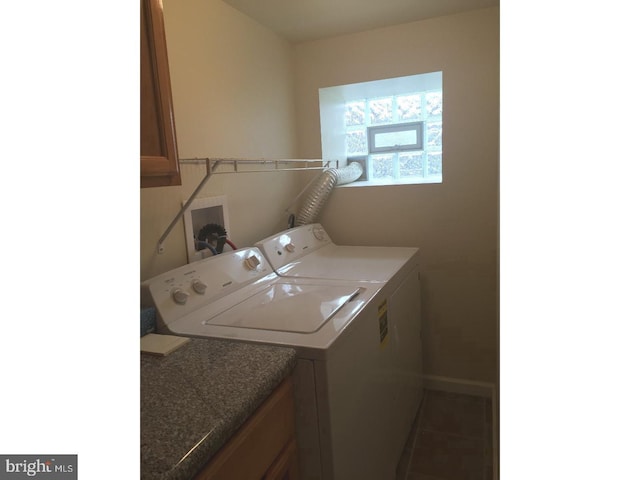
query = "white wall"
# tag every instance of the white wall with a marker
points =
(232, 85)
(455, 223)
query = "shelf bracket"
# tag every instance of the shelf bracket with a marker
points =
(211, 167)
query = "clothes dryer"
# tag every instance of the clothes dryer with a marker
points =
(308, 252)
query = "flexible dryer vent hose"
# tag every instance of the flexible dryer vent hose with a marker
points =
(349, 174)
(320, 190)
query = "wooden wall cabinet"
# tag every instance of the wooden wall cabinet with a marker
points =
(158, 149)
(265, 446)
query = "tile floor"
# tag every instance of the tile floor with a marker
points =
(451, 439)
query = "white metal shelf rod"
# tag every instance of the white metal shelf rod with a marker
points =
(221, 172)
(236, 162)
(260, 161)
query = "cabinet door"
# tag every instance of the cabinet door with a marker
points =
(158, 149)
(264, 447)
(285, 466)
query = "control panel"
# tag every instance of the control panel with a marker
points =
(190, 287)
(285, 247)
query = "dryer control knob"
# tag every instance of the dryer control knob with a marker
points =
(290, 247)
(199, 286)
(179, 296)
(252, 262)
(318, 232)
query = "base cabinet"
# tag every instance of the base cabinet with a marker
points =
(265, 446)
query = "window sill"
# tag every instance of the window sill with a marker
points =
(385, 183)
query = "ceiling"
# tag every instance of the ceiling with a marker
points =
(303, 20)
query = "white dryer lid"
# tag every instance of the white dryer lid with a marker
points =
(358, 263)
(287, 307)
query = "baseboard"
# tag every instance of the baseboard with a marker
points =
(458, 385)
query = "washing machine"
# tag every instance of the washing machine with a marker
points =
(308, 252)
(344, 406)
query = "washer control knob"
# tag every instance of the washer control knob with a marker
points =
(179, 296)
(199, 286)
(290, 247)
(252, 262)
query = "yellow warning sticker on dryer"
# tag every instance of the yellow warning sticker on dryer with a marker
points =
(383, 324)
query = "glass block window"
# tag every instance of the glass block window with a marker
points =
(355, 113)
(411, 164)
(434, 134)
(434, 163)
(392, 127)
(380, 111)
(434, 103)
(356, 142)
(382, 166)
(400, 135)
(409, 107)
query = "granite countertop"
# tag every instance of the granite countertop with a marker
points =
(194, 399)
